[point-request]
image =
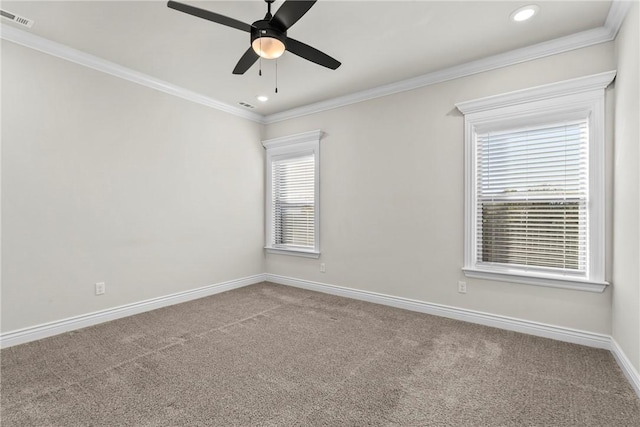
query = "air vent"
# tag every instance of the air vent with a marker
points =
(244, 104)
(16, 18)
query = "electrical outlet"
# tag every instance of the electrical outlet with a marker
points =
(323, 268)
(101, 288)
(462, 287)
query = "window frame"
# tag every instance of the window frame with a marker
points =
(292, 146)
(579, 98)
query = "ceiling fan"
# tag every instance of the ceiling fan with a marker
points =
(268, 35)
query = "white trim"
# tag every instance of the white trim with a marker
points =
(21, 336)
(57, 327)
(571, 100)
(538, 329)
(502, 322)
(626, 366)
(528, 279)
(299, 138)
(517, 56)
(615, 18)
(59, 50)
(300, 144)
(293, 252)
(539, 93)
(606, 33)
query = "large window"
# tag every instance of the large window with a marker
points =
(532, 197)
(535, 185)
(292, 208)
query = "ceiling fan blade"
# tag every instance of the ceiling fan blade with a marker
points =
(290, 12)
(248, 59)
(312, 54)
(210, 16)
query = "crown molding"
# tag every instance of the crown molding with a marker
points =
(299, 138)
(553, 90)
(617, 13)
(606, 33)
(30, 40)
(517, 56)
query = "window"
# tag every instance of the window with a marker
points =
(292, 211)
(534, 185)
(532, 196)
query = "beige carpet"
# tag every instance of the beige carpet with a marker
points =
(268, 355)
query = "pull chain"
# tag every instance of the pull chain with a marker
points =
(260, 65)
(276, 76)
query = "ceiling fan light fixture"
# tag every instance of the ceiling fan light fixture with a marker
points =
(268, 35)
(268, 47)
(267, 41)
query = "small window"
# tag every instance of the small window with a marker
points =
(292, 210)
(535, 185)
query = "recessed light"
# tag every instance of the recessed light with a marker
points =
(263, 98)
(524, 13)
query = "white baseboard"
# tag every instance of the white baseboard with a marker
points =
(45, 330)
(559, 333)
(625, 365)
(503, 322)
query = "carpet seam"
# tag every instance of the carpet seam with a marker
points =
(183, 341)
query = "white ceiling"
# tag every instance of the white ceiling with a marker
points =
(378, 42)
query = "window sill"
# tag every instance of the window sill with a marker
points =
(538, 280)
(293, 252)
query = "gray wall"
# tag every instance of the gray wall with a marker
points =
(626, 250)
(392, 197)
(105, 180)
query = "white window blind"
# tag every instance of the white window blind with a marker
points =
(293, 207)
(532, 197)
